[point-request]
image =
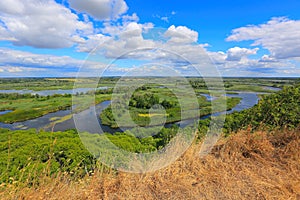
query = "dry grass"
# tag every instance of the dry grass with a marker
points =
(152, 115)
(243, 166)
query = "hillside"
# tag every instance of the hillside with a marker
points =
(242, 166)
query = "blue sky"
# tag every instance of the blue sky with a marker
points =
(214, 19)
(240, 38)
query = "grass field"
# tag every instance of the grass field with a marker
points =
(33, 107)
(38, 84)
(30, 108)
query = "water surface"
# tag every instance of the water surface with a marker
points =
(5, 112)
(52, 92)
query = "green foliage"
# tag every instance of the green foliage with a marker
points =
(28, 154)
(257, 84)
(278, 110)
(144, 101)
(198, 83)
(165, 136)
(129, 142)
(25, 107)
(203, 128)
(168, 104)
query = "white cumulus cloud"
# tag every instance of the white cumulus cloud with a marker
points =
(281, 36)
(237, 53)
(40, 24)
(181, 34)
(100, 9)
(118, 39)
(10, 57)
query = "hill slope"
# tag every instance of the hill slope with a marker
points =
(249, 164)
(242, 166)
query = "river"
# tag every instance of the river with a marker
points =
(248, 100)
(52, 92)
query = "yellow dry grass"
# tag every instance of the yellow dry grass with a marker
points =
(62, 79)
(243, 166)
(152, 115)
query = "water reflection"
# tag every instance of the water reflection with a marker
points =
(5, 112)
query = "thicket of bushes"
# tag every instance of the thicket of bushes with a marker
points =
(278, 110)
(27, 154)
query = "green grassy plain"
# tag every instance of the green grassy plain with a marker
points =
(38, 84)
(30, 107)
